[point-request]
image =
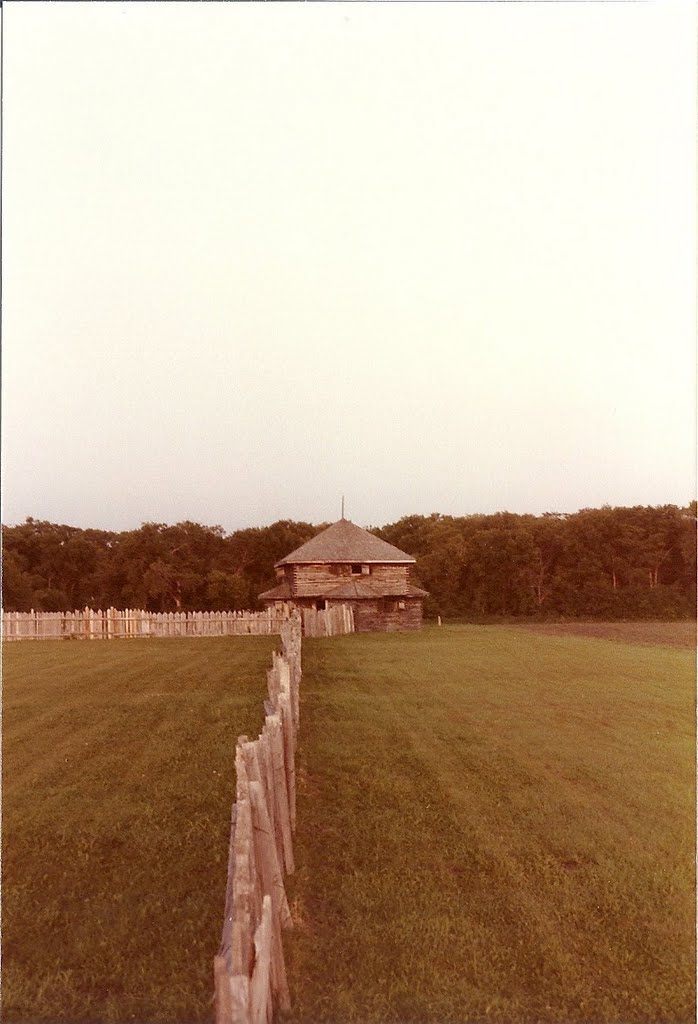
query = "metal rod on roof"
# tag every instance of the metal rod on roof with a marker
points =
(342, 506)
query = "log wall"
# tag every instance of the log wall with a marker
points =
(312, 580)
(308, 580)
(397, 577)
(377, 617)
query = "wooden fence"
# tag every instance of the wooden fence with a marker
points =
(113, 624)
(333, 621)
(249, 970)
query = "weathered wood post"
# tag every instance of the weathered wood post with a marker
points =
(260, 987)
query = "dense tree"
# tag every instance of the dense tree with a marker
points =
(610, 563)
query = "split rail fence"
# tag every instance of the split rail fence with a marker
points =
(249, 970)
(113, 624)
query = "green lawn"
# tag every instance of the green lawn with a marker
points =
(118, 777)
(495, 825)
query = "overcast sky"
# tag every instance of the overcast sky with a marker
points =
(435, 257)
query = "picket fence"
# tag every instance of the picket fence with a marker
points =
(113, 624)
(332, 621)
(249, 970)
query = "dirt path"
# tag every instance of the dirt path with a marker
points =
(666, 634)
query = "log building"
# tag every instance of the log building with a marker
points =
(347, 565)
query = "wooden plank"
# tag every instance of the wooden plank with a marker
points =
(273, 684)
(253, 773)
(241, 948)
(265, 851)
(289, 755)
(267, 770)
(272, 879)
(249, 751)
(284, 672)
(283, 813)
(223, 995)
(242, 781)
(260, 987)
(279, 978)
(290, 684)
(243, 793)
(227, 930)
(240, 998)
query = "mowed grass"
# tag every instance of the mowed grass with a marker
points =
(118, 779)
(494, 825)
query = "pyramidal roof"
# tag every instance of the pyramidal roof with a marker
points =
(346, 542)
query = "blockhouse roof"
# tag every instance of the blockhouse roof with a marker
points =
(282, 592)
(344, 541)
(360, 589)
(350, 590)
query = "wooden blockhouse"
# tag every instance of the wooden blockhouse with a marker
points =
(347, 565)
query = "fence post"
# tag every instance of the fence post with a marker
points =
(241, 934)
(283, 811)
(224, 999)
(289, 755)
(260, 990)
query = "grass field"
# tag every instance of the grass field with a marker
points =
(118, 776)
(495, 825)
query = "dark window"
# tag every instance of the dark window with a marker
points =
(321, 605)
(356, 570)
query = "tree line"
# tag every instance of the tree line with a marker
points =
(608, 563)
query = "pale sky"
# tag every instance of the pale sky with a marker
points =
(435, 257)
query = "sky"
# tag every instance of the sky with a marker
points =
(432, 257)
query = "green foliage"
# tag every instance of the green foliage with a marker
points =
(604, 563)
(185, 567)
(600, 563)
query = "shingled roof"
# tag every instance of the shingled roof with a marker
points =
(346, 542)
(282, 592)
(368, 588)
(349, 590)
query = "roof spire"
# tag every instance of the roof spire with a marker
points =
(342, 506)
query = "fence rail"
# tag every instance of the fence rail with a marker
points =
(249, 970)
